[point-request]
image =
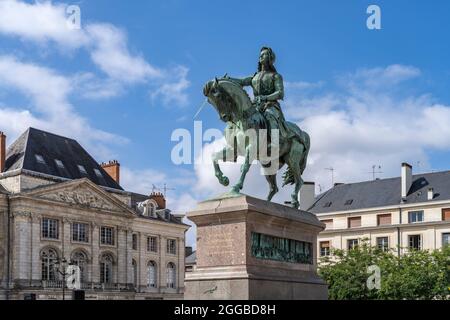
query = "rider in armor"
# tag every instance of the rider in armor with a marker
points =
(268, 88)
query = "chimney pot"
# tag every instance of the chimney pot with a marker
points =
(112, 169)
(406, 179)
(307, 195)
(430, 193)
(2, 151)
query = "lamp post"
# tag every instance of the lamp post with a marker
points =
(63, 264)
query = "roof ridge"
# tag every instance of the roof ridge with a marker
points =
(52, 134)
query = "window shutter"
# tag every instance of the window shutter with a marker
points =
(445, 214)
(384, 219)
(354, 222)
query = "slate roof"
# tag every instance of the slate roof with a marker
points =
(191, 259)
(383, 192)
(22, 155)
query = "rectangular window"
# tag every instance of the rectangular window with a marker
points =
(82, 169)
(39, 158)
(352, 244)
(445, 239)
(354, 222)
(134, 241)
(98, 173)
(171, 246)
(80, 232)
(328, 223)
(415, 216)
(384, 219)
(50, 228)
(324, 248)
(59, 163)
(152, 244)
(107, 236)
(383, 243)
(415, 242)
(445, 214)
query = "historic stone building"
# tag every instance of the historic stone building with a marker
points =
(58, 204)
(410, 211)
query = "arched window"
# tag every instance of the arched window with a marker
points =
(48, 259)
(79, 259)
(106, 268)
(151, 275)
(171, 275)
(134, 265)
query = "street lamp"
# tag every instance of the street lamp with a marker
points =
(62, 265)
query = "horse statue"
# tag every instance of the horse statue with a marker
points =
(236, 109)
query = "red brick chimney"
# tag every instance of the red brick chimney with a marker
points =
(113, 169)
(2, 151)
(159, 198)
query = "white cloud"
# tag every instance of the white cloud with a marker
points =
(110, 53)
(174, 90)
(41, 21)
(46, 23)
(48, 93)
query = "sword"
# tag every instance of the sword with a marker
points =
(201, 107)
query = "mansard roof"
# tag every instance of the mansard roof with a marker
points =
(383, 192)
(47, 153)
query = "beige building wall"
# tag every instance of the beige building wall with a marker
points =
(29, 208)
(431, 229)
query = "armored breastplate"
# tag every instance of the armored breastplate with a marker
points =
(263, 84)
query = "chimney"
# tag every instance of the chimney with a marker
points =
(430, 193)
(159, 198)
(406, 179)
(307, 195)
(2, 151)
(113, 169)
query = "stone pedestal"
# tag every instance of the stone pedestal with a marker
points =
(251, 249)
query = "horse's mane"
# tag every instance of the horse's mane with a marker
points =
(238, 87)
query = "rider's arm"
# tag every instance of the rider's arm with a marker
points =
(243, 82)
(278, 94)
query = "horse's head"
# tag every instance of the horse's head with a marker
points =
(227, 97)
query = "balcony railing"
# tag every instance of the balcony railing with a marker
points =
(58, 284)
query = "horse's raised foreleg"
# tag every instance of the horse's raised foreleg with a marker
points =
(221, 155)
(244, 169)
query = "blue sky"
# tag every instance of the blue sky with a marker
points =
(365, 96)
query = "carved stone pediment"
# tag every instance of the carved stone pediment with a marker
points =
(86, 198)
(80, 193)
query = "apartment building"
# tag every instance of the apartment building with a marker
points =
(410, 211)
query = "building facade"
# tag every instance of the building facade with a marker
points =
(399, 214)
(59, 207)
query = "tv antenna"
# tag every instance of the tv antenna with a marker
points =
(331, 169)
(165, 188)
(374, 171)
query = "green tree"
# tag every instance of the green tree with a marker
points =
(414, 275)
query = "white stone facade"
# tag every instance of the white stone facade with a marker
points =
(433, 229)
(81, 201)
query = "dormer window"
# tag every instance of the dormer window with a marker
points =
(59, 163)
(348, 202)
(98, 173)
(327, 205)
(82, 169)
(39, 158)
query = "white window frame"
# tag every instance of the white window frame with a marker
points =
(416, 215)
(49, 231)
(104, 236)
(76, 231)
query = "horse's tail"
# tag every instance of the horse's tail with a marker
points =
(288, 176)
